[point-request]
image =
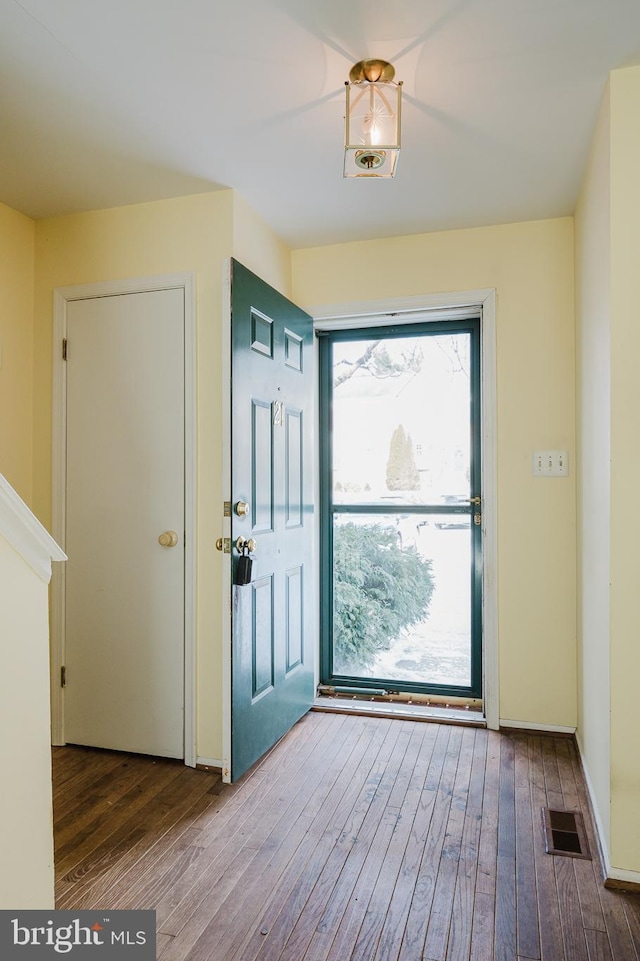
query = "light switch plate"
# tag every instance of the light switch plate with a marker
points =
(550, 463)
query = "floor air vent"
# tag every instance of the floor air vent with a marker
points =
(565, 834)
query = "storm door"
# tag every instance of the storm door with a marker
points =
(401, 540)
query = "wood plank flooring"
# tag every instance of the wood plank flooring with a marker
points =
(355, 839)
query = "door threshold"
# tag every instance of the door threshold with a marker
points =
(399, 709)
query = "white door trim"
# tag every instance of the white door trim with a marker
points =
(61, 297)
(406, 310)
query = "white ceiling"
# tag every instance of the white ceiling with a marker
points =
(110, 102)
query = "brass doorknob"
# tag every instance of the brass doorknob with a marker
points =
(251, 545)
(242, 508)
(168, 539)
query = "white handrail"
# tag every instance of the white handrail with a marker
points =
(24, 532)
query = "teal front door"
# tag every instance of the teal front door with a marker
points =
(272, 416)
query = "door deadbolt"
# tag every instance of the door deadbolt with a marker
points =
(168, 539)
(242, 508)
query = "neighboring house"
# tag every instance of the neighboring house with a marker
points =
(567, 347)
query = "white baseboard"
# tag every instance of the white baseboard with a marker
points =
(533, 726)
(595, 813)
(611, 873)
(627, 877)
(209, 762)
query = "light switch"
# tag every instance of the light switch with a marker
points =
(550, 463)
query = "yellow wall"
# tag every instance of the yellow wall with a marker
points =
(531, 267)
(257, 247)
(593, 335)
(188, 234)
(26, 830)
(17, 234)
(625, 467)
(194, 233)
(608, 344)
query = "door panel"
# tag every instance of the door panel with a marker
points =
(272, 667)
(293, 468)
(263, 632)
(294, 610)
(262, 466)
(125, 487)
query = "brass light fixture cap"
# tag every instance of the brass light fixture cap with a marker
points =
(371, 70)
(370, 159)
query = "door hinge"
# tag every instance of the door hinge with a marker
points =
(63, 677)
(64, 348)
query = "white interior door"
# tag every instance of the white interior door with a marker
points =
(125, 469)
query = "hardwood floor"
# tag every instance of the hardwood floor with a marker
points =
(355, 839)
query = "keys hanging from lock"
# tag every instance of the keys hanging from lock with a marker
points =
(243, 568)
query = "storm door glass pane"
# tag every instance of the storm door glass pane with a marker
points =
(402, 598)
(402, 518)
(401, 420)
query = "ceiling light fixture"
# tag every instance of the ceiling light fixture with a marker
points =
(372, 120)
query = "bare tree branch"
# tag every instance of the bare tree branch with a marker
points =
(379, 364)
(354, 365)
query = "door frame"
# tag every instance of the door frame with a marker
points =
(403, 310)
(61, 297)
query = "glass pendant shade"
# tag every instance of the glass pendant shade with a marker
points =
(372, 120)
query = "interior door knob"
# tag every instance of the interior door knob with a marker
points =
(242, 509)
(168, 539)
